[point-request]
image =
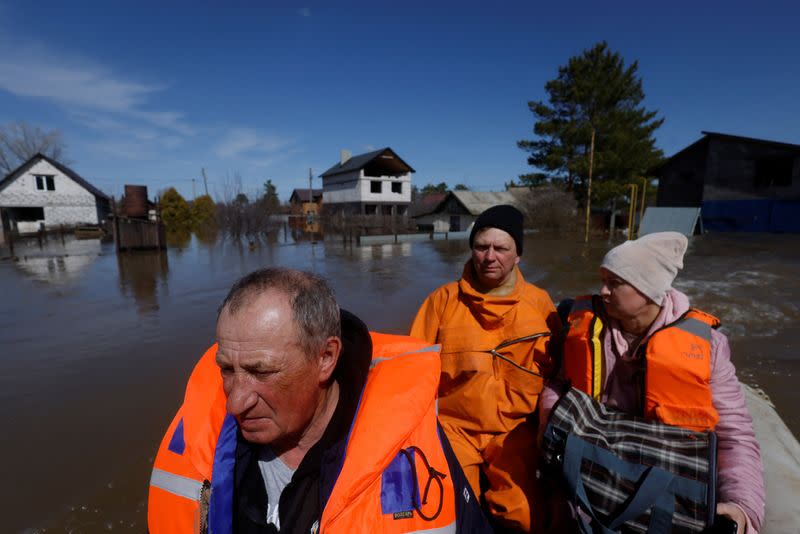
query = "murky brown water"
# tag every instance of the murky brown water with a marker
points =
(96, 348)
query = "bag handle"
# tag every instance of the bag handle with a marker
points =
(653, 488)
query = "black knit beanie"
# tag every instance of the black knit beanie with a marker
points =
(503, 217)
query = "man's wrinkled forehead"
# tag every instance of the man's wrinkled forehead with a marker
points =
(253, 302)
(257, 317)
(490, 233)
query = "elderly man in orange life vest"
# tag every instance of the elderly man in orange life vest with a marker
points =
(300, 420)
(494, 329)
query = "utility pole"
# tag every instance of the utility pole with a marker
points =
(589, 191)
(310, 212)
(205, 179)
(641, 208)
(632, 197)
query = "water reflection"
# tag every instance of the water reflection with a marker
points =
(59, 261)
(139, 275)
(207, 234)
(304, 229)
(383, 252)
(178, 238)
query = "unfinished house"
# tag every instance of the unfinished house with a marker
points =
(375, 183)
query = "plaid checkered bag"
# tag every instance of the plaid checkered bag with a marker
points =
(628, 474)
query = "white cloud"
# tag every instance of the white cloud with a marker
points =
(79, 84)
(134, 151)
(124, 139)
(240, 142)
(304, 11)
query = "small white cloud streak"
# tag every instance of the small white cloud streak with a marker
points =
(304, 11)
(38, 72)
(241, 141)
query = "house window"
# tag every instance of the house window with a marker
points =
(397, 187)
(44, 181)
(370, 209)
(375, 186)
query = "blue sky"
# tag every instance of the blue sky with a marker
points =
(150, 93)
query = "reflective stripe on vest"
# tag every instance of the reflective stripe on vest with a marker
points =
(447, 529)
(695, 327)
(583, 342)
(598, 361)
(428, 348)
(181, 486)
(677, 364)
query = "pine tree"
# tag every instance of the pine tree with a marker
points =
(594, 92)
(270, 202)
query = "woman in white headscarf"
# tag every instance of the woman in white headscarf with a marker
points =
(638, 310)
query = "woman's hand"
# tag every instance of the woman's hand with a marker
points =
(734, 512)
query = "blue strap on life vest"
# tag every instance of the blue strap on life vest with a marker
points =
(177, 443)
(220, 506)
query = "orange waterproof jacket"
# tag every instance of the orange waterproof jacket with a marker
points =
(488, 385)
(677, 360)
(395, 427)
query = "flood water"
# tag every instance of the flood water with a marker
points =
(96, 348)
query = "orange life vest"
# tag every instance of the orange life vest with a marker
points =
(677, 363)
(395, 427)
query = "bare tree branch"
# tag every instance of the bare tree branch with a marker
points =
(20, 141)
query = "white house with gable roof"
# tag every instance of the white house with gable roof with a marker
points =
(43, 193)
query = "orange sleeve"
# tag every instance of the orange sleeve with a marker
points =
(429, 316)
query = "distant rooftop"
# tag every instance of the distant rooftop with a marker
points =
(426, 204)
(301, 195)
(476, 202)
(384, 159)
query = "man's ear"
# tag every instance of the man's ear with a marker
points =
(516, 261)
(329, 357)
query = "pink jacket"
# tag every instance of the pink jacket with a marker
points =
(740, 474)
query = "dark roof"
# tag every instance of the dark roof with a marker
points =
(727, 137)
(426, 204)
(302, 194)
(750, 140)
(362, 160)
(16, 173)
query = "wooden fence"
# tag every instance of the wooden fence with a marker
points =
(138, 234)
